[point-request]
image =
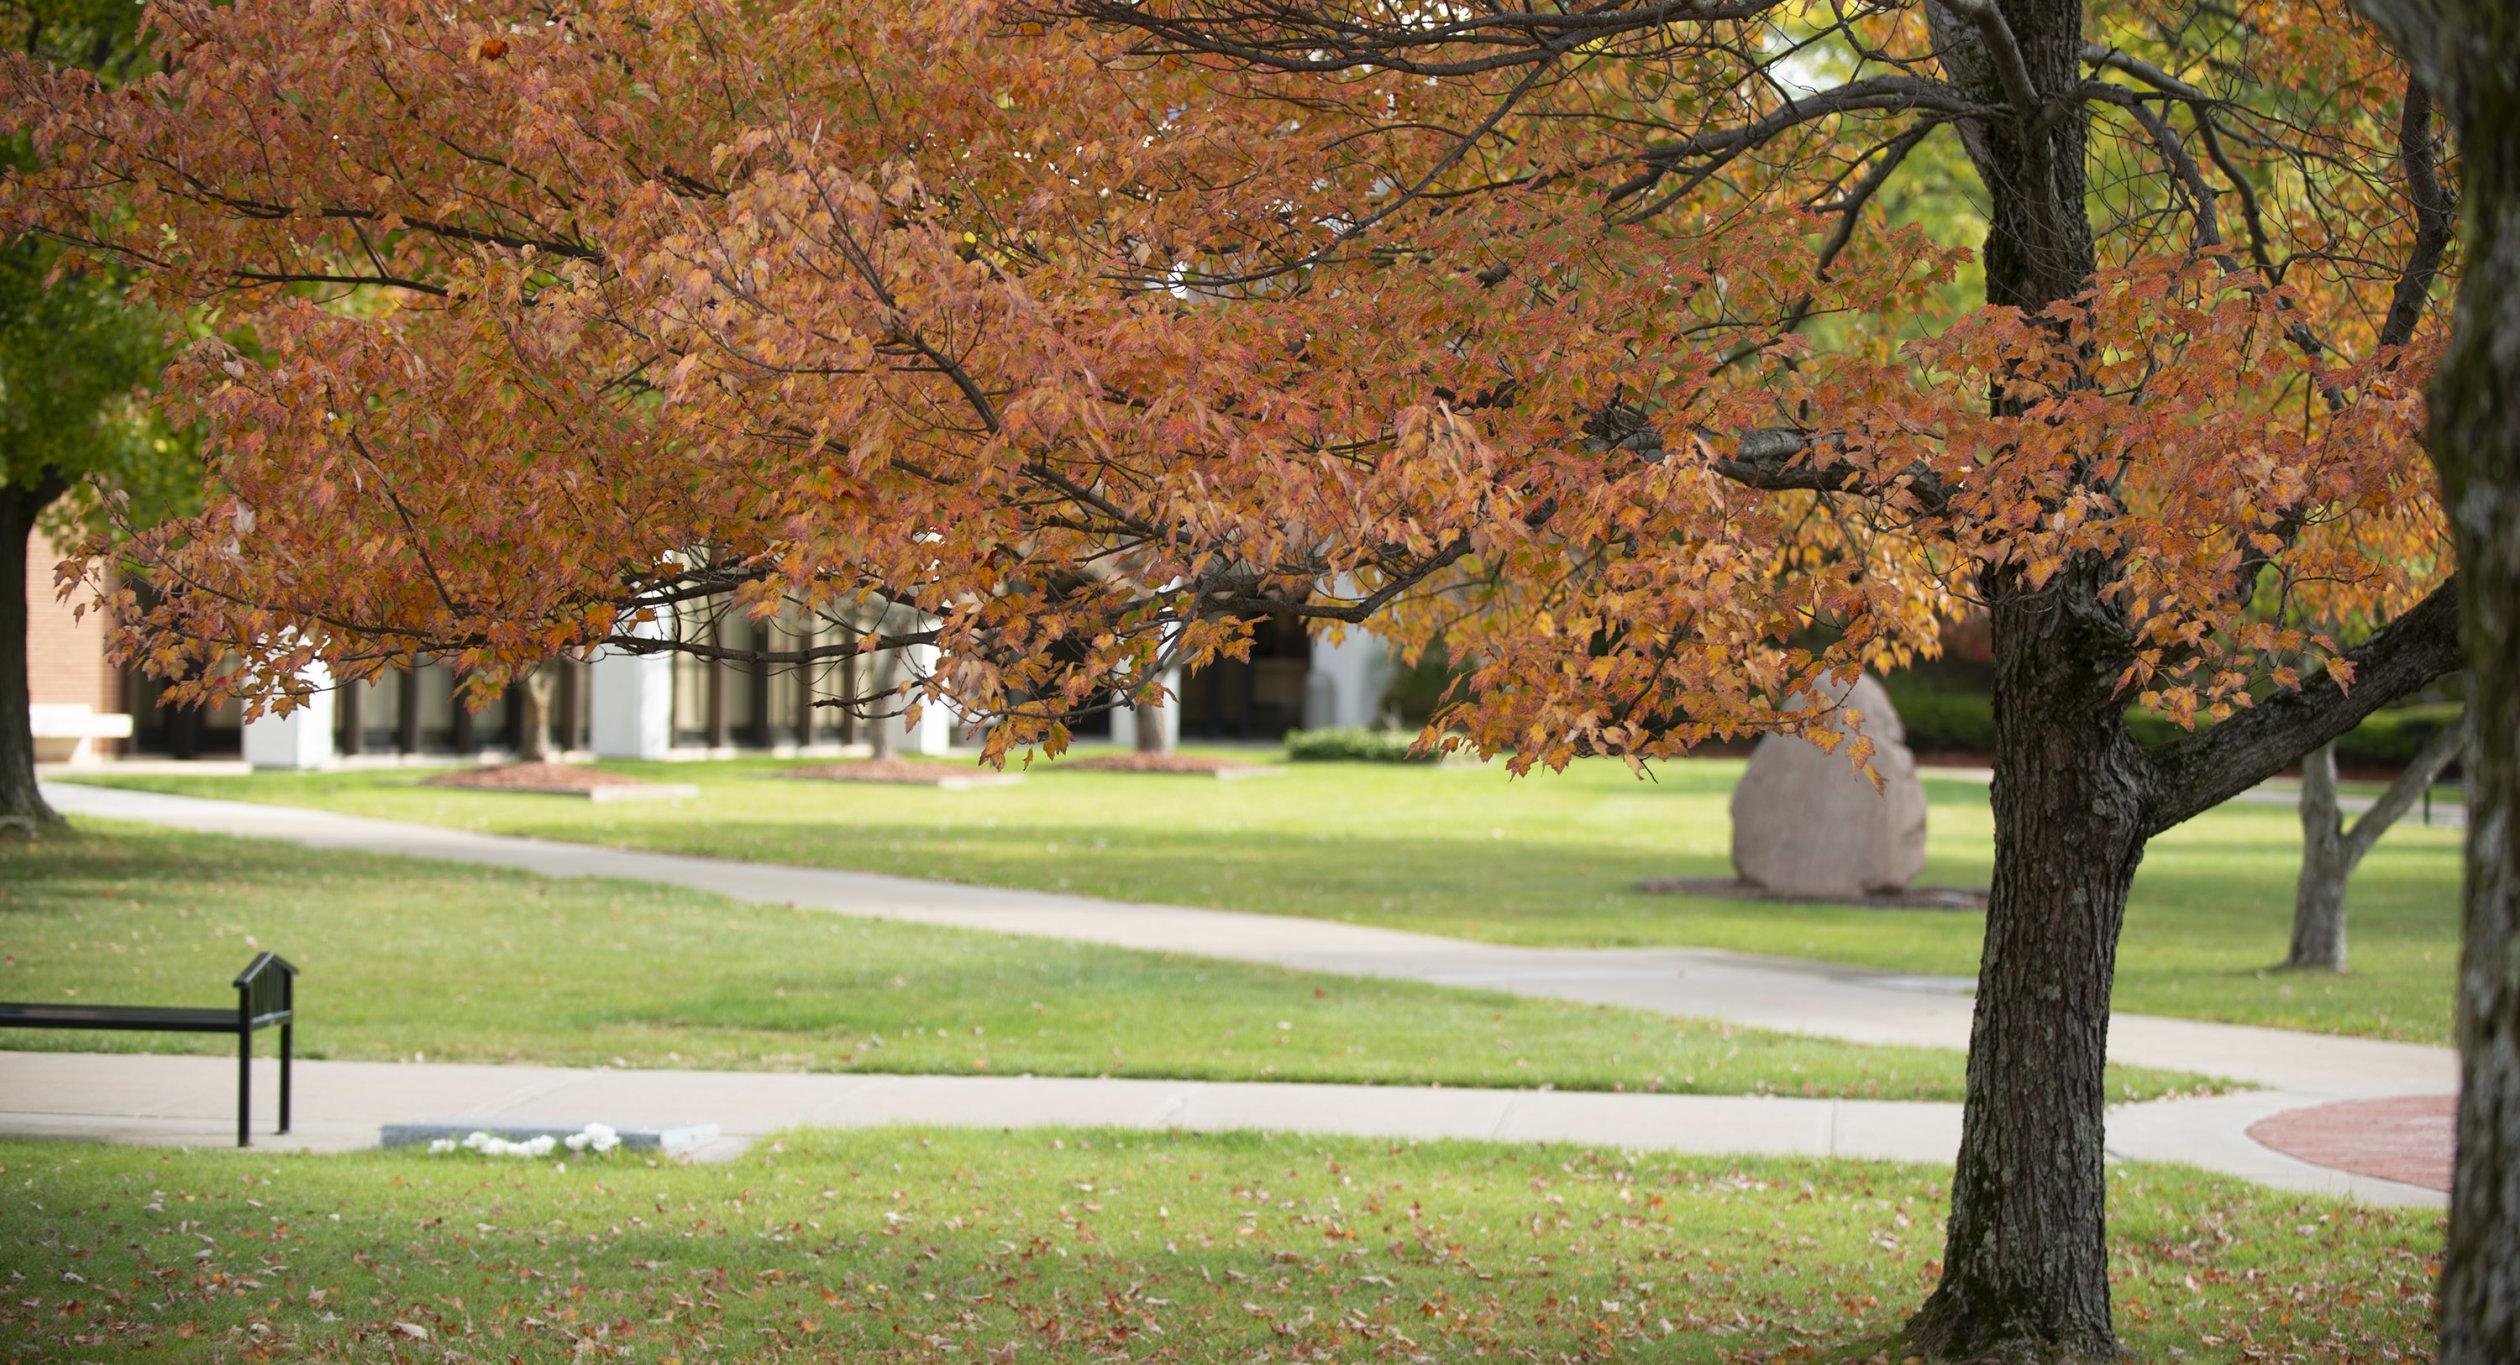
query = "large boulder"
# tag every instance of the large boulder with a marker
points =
(1808, 823)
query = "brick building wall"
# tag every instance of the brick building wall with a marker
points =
(65, 658)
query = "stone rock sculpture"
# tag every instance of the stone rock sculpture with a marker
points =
(1808, 823)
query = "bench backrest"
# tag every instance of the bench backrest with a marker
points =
(266, 991)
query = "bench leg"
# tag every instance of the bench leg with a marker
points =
(244, 1087)
(284, 1076)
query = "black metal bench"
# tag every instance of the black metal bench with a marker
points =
(266, 994)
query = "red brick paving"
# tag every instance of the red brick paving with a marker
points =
(2409, 1139)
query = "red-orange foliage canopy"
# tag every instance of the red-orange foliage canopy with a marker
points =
(1092, 359)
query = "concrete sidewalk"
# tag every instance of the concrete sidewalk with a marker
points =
(191, 1102)
(1820, 999)
(2296, 1070)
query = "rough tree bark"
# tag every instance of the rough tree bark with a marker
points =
(2025, 1262)
(21, 801)
(2330, 851)
(2025, 1265)
(2468, 53)
(2475, 441)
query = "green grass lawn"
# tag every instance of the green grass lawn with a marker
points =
(892, 1244)
(404, 958)
(1551, 859)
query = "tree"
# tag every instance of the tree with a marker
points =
(2331, 849)
(533, 743)
(884, 737)
(1082, 343)
(1152, 735)
(2468, 53)
(70, 356)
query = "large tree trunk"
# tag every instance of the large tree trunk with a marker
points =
(21, 801)
(2025, 1265)
(2025, 1261)
(2480, 1291)
(2475, 441)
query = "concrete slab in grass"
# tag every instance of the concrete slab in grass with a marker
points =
(672, 1139)
(626, 791)
(944, 781)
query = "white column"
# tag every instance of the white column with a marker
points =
(1346, 683)
(933, 732)
(301, 741)
(630, 700)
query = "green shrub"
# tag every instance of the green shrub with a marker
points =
(1353, 746)
(2389, 739)
(1937, 721)
(1943, 721)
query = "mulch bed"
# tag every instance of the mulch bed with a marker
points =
(1195, 765)
(1733, 888)
(531, 777)
(560, 779)
(902, 772)
(2412, 1139)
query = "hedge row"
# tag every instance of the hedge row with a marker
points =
(1939, 721)
(1354, 746)
(1964, 722)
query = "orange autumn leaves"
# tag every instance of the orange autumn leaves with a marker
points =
(1087, 362)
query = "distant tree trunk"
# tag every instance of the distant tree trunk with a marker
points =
(1152, 737)
(2318, 931)
(2330, 851)
(533, 742)
(21, 801)
(884, 729)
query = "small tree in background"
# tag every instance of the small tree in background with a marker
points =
(2332, 849)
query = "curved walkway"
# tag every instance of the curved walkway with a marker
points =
(1854, 1004)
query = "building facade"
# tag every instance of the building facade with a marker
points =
(623, 705)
